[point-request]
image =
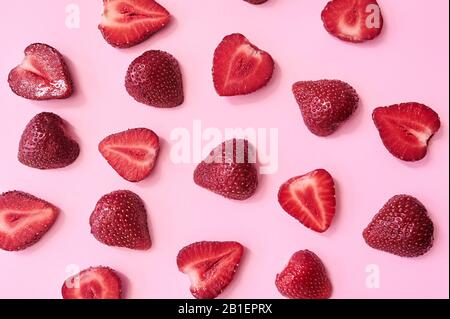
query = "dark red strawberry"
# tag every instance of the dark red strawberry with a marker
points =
(229, 170)
(239, 67)
(325, 104)
(46, 143)
(210, 266)
(310, 199)
(304, 277)
(406, 129)
(402, 227)
(353, 20)
(154, 79)
(24, 219)
(93, 283)
(126, 23)
(42, 75)
(131, 153)
(120, 219)
(256, 1)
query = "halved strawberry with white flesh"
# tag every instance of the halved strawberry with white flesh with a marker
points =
(353, 20)
(126, 23)
(310, 198)
(93, 283)
(24, 219)
(239, 67)
(210, 266)
(42, 75)
(131, 153)
(406, 129)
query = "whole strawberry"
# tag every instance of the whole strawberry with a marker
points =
(229, 170)
(402, 227)
(325, 104)
(304, 277)
(154, 79)
(120, 219)
(46, 143)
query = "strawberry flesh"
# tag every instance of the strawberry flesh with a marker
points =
(239, 67)
(406, 129)
(210, 266)
(24, 219)
(310, 199)
(126, 23)
(42, 75)
(93, 283)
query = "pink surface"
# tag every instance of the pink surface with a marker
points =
(408, 62)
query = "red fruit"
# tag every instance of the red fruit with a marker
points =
(131, 153)
(120, 219)
(24, 219)
(93, 283)
(353, 20)
(304, 277)
(42, 75)
(402, 227)
(46, 143)
(256, 1)
(406, 129)
(325, 104)
(239, 67)
(154, 79)
(210, 266)
(229, 170)
(310, 199)
(126, 23)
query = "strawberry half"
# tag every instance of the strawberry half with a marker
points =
(93, 283)
(304, 277)
(120, 219)
(256, 1)
(229, 170)
(126, 23)
(24, 219)
(46, 143)
(402, 227)
(239, 67)
(353, 20)
(42, 75)
(406, 129)
(325, 104)
(154, 79)
(310, 199)
(210, 266)
(132, 153)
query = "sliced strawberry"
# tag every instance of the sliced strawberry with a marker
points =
(24, 219)
(126, 23)
(210, 266)
(131, 153)
(310, 199)
(42, 75)
(93, 283)
(239, 67)
(304, 277)
(353, 20)
(406, 129)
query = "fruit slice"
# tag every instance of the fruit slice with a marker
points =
(210, 266)
(132, 153)
(406, 129)
(239, 67)
(93, 283)
(24, 219)
(304, 277)
(310, 198)
(42, 75)
(126, 23)
(353, 20)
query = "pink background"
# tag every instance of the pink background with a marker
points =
(408, 62)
